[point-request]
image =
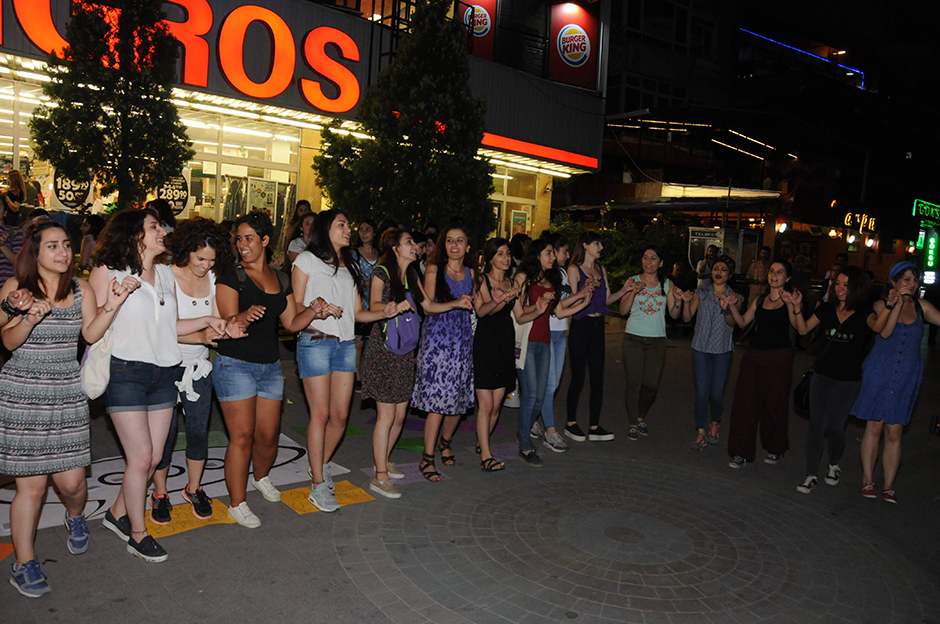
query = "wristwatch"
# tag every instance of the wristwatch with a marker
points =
(9, 310)
(889, 306)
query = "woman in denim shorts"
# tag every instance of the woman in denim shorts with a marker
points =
(326, 350)
(145, 359)
(247, 373)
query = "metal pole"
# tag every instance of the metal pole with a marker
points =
(724, 215)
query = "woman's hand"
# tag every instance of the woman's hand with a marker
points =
(234, 329)
(130, 284)
(254, 313)
(218, 325)
(464, 302)
(499, 295)
(21, 299)
(629, 286)
(543, 302)
(37, 311)
(685, 295)
(117, 294)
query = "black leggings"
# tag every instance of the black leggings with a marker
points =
(586, 350)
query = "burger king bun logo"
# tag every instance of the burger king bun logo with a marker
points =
(574, 46)
(478, 20)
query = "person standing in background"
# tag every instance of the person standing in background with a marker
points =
(757, 273)
(704, 269)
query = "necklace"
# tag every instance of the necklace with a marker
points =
(159, 289)
(772, 300)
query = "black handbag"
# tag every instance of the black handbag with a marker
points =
(801, 392)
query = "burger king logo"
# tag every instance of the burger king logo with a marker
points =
(574, 46)
(478, 20)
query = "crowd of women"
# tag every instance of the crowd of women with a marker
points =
(439, 330)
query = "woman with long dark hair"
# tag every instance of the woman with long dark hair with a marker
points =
(246, 373)
(762, 393)
(891, 375)
(44, 424)
(326, 349)
(712, 345)
(444, 383)
(539, 284)
(299, 236)
(145, 358)
(201, 252)
(494, 368)
(648, 298)
(90, 229)
(367, 255)
(586, 342)
(843, 323)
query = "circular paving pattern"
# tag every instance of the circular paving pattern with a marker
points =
(624, 543)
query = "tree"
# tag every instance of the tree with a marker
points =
(421, 162)
(111, 114)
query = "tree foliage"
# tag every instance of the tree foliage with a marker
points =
(420, 163)
(111, 114)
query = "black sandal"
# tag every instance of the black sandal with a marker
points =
(444, 445)
(491, 465)
(478, 449)
(427, 461)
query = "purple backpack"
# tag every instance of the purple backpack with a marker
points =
(403, 331)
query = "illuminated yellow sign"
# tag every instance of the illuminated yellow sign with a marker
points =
(859, 220)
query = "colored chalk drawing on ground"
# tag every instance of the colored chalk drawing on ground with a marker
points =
(411, 444)
(182, 519)
(501, 452)
(411, 472)
(346, 494)
(5, 551)
(290, 467)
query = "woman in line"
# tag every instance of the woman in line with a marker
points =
(587, 343)
(201, 252)
(494, 344)
(299, 237)
(762, 393)
(891, 375)
(648, 297)
(12, 197)
(444, 382)
(44, 426)
(712, 345)
(326, 350)
(91, 228)
(145, 357)
(247, 373)
(389, 377)
(837, 374)
(367, 256)
(539, 283)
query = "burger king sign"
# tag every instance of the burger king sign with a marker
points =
(574, 45)
(477, 19)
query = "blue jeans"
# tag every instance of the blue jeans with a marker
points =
(197, 424)
(237, 380)
(322, 356)
(711, 373)
(533, 379)
(554, 376)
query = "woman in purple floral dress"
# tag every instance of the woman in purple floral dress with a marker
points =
(444, 382)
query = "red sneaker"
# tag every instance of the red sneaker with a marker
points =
(888, 495)
(868, 491)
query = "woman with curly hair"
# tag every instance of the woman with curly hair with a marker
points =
(201, 252)
(145, 358)
(44, 428)
(247, 373)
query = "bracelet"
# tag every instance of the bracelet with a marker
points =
(800, 311)
(889, 306)
(9, 310)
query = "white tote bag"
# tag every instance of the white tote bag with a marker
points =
(96, 369)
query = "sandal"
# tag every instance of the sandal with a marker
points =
(491, 465)
(427, 461)
(444, 445)
(478, 449)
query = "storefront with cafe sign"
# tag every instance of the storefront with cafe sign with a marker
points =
(926, 248)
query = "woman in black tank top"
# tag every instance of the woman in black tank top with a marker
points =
(762, 394)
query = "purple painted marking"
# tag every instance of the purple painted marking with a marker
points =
(501, 452)
(471, 425)
(412, 474)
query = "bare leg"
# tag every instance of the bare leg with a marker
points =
(869, 451)
(159, 481)
(240, 421)
(380, 438)
(432, 426)
(267, 430)
(448, 429)
(484, 409)
(317, 390)
(73, 490)
(142, 434)
(341, 389)
(401, 411)
(891, 458)
(24, 515)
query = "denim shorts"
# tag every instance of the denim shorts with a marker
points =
(322, 356)
(237, 380)
(141, 387)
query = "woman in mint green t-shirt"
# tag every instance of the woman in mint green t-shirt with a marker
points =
(648, 297)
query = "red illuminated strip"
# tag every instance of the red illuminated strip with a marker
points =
(533, 149)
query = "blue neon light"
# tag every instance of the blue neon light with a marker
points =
(815, 56)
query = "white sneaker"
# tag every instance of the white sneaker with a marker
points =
(244, 516)
(327, 478)
(807, 486)
(832, 475)
(267, 489)
(385, 488)
(537, 430)
(322, 498)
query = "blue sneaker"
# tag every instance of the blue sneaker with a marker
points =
(29, 580)
(78, 534)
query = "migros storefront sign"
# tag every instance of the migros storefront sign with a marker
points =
(283, 52)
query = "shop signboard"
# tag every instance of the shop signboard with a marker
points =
(480, 19)
(176, 192)
(262, 195)
(70, 194)
(573, 45)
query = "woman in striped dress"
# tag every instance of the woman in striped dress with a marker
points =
(43, 411)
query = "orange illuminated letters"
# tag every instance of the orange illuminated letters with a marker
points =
(190, 33)
(232, 50)
(316, 56)
(35, 18)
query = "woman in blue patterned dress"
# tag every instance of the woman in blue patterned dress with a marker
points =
(891, 374)
(444, 382)
(43, 411)
(367, 255)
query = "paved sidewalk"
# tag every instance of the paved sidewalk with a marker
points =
(648, 531)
